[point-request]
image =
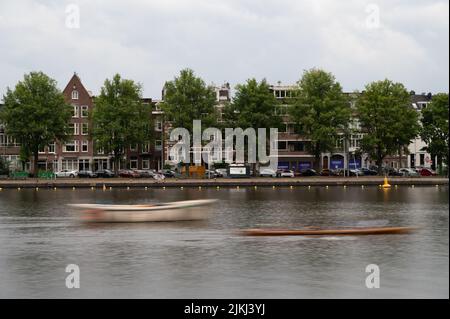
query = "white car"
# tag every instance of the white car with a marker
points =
(287, 173)
(67, 173)
(408, 172)
(267, 172)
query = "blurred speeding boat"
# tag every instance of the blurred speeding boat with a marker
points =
(329, 232)
(162, 212)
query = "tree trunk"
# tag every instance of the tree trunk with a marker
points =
(400, 155)
(35, 163)
(379, 162)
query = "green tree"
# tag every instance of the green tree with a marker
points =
(254, 106)
(35, 114)
(320, 110)
(187, 98)
(387, 119)
(434, 129)
(120, 119)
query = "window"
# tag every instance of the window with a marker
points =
(133, 148)
(84, 129)
(75, 111)
(84, 146)
(74, 128)
(422, 159)
(158, 145)
(51, 148)
(71, 146)
(69, 165)
(74, 95)
(158, 126)
(145, 164)
(282, 145)
(146, 148)
(133, 163)
(84, 111)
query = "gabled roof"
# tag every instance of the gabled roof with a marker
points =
(75, 79)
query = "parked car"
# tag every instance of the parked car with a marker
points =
(369, 172)
(409, 172)
(355, 172)
(86, 174)
(308, 172)
(143, 173)
(267, 172)
(105, 173)
(221, 172)
(67, 173)
(167, 173)
(209, 173)
(158, 176)
(328, 172)
(390, 171)
(427, 172)
(128, 173)
(287, 173)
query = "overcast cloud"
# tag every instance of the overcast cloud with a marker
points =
(150, 41)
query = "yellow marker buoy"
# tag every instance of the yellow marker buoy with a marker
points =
(1, 189)
(396, 186)
(128, 188)
(291, 187)
(92, 188)
(54, 188)
(110, 188)
(146, 187)
(436, 186)
(217, 187)
(164, 187)
(237, 187)
(273, 187)
(326, 187)
(309, 187)
(386, 183)
(37, 188)
(345, 186)
(362, 186)
(181, 187)
(18, 188)
(412, 186)
(73, 188)
(256, 187)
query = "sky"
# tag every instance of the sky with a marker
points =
(226, 41)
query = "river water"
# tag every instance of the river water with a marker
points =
(40, 236)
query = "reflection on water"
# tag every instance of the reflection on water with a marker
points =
(40, 235)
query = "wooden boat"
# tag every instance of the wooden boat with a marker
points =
(329, 232)
(174, 211)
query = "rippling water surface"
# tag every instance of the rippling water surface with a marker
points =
(40, 235)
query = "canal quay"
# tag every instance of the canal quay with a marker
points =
(221, 182)
(41, 235)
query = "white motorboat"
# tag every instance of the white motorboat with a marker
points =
(160, 212)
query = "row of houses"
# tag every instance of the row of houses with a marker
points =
(79, 152)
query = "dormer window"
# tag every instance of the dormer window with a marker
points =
(74, 95)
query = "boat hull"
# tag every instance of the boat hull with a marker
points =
(328, 232)
(177, 211)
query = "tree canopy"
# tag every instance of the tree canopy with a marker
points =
(188, 98)
(434, 129)
(35, 114)
(387, 119)
(120, 119)
(320, 110)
